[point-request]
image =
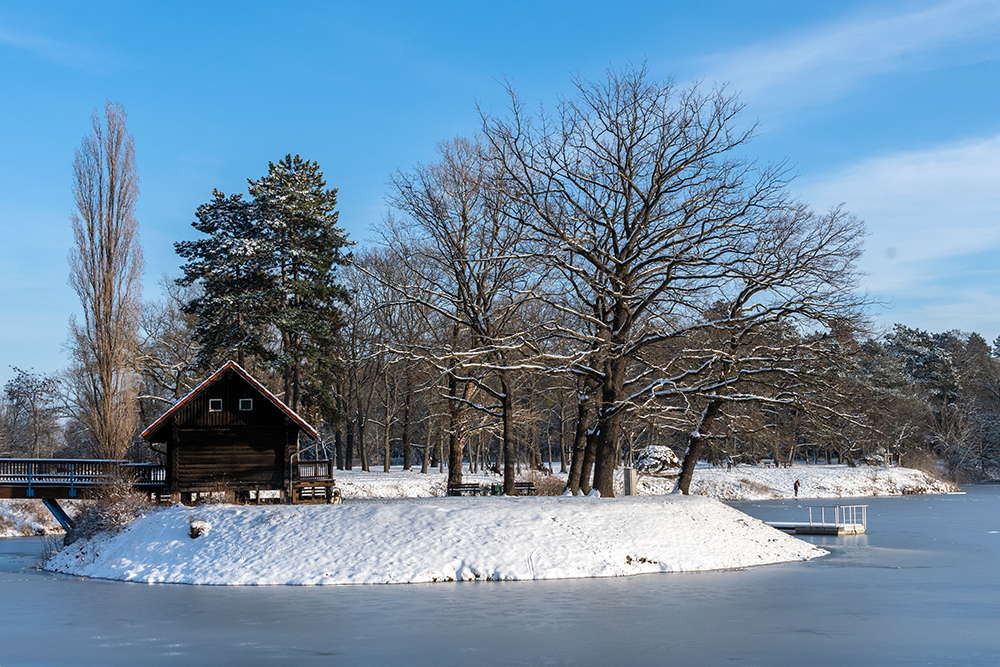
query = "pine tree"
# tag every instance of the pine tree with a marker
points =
(233, 265)
(269, 273)
(293, 203)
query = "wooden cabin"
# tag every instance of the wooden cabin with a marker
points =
(229, 434)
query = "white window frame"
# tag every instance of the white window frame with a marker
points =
(212, 403)
(248, 402)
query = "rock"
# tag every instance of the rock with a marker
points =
(657, 460)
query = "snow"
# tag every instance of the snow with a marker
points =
(396, 528)
(440, 539)
(22, 518)
(816, 481)
(740, 483)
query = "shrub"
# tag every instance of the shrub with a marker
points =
(115, 506)
(546, 484)
(7, 525)
(658, 460)
(923, 460)
(198, 526)
(757, 488)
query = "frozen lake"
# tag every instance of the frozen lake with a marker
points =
(922, 588)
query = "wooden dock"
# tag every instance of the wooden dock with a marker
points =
(834, 520)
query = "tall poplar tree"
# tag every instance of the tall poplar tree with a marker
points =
(105, 272)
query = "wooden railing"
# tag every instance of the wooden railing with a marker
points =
(314, 471)
(77, 473)
(145, 474)
(314, 482)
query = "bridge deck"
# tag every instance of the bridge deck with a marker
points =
(73, 478)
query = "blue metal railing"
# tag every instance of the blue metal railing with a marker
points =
(77, 473)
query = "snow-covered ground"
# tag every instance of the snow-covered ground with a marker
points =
(815, 481)
(395, 528)
(441, 539)
(22, 518)
(739, 483)
(29, 517)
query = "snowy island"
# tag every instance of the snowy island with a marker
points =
(441, 539)
(385, 532)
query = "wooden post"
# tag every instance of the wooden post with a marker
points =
(173, 453)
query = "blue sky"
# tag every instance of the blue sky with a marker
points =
(888, 107)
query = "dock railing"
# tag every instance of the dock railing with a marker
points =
(840, 514)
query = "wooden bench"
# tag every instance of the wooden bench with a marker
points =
(462, 489)
(526, 487)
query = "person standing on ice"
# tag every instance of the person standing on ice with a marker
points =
(796, 488)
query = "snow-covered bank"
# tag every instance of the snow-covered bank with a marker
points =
(815, 481)
(419, 537)
(444, 539)
(22, 518)
(29, 517)
(738, 483)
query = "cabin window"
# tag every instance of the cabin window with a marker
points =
(246, 404)
(215, 405)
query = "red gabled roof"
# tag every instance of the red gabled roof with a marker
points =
(246, 376)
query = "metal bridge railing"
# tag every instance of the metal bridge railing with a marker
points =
(76, 473)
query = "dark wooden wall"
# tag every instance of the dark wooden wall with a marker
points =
(239, 457)
(230, 449)
(230, 388)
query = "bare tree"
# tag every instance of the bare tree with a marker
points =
(466, 244)
(648, 209)
(105, 270)
(29, 414)
(168, 359)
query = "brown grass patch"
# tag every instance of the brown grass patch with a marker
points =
(757, 487)
(546, 484)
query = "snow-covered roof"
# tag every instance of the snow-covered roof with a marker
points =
(232, 365)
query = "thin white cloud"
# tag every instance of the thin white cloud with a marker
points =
(825, 62)
(53, 50)
(934, 223)
(921, 207)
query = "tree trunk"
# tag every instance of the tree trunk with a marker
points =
(441, 453)
(338, 445)
(362, 427)
(609, 427)
(349, 453)
(548, 439)
(387, 451)
(407, 417)
(562, 439)
(584, 413)
(589, 456)
(455, 444)
(695, 442)
(507, 411)
(434, 445)
(535, 447)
